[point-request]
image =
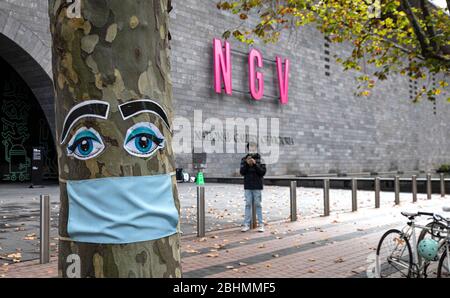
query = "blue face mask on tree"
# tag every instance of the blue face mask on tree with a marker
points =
(121, 210)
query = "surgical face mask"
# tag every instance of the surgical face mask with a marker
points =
(121, 210)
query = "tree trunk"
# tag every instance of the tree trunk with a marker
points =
(118, 51)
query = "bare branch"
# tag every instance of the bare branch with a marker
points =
(421, 36)
(430, 28)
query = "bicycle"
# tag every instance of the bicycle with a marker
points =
(444, 262)
(399, 259)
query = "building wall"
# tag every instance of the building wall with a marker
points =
(332, 130)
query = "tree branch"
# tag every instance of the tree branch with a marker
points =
(430, 28)
(421, 36)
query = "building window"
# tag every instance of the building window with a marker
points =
(327, 65)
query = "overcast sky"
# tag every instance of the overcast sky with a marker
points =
(441, 3)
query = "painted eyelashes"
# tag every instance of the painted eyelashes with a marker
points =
(142, 140)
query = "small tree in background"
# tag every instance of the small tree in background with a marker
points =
(408, 37)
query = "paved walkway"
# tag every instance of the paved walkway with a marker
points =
(19, 211)
(342, 245)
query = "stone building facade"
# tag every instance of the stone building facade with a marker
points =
(323, 129)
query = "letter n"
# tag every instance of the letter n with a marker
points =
(222, 67)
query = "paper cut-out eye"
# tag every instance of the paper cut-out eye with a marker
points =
(85, 144)
(143, 140)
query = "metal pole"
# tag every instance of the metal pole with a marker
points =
(44, 231)
(326, 197)
(442, 185)
(354, 195)
(397, 190)
(377, 192)
(429, 190)
(293, 200)
(200, 211)
(414, 188)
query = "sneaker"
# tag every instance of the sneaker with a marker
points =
(245, 229)
(261, 229)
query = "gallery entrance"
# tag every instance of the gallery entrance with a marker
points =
(23, 126)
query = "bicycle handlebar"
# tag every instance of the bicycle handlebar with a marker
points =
(438, 217)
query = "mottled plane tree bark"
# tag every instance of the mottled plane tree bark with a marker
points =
(117, 51)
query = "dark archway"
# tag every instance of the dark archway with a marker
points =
(33, 74)
(26, 114)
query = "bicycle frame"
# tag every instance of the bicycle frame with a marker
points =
(408, 233)
(447, 247)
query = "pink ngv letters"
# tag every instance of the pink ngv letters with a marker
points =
(223, 72)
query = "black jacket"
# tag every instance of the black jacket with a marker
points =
(253, 175)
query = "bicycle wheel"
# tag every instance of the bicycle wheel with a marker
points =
(436, 231)
(443, 268)
(394, 256)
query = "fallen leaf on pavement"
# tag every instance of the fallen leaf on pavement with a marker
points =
(219, 246)
(15, 255)
(30, 237)
(192, 251)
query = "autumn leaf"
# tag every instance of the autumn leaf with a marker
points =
(339, 260)
(192, 251)
(30, 237)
